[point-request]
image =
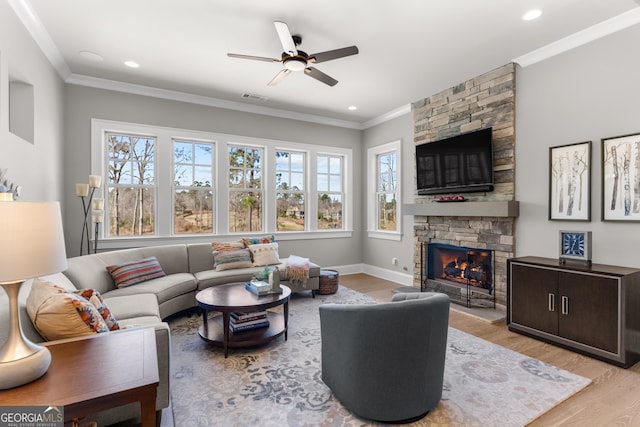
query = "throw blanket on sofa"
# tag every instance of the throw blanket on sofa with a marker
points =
(297, 270)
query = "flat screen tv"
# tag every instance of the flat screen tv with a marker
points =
(460, 164)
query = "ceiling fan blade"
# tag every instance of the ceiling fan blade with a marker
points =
(286, 38)
(333, 54)
(319, 75)
(281, 75)
(256, 58)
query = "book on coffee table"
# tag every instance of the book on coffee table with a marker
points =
(258, 287)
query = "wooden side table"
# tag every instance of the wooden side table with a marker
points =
(91, 374)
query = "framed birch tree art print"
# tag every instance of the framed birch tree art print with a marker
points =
(570, 182)
(621, 178)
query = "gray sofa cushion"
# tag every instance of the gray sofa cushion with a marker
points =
(164, 288)
(90, 271)
(200, 257)
(132, 306)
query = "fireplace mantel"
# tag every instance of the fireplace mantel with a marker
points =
(507, 209)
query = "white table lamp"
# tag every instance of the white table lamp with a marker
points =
(31, 245)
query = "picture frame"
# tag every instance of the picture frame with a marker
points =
(621, 178)
(570, 182)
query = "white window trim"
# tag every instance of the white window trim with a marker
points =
(166, 135)
(372, 178)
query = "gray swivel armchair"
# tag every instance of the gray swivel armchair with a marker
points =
(385, 362)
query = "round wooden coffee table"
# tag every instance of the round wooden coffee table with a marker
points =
(234, 297)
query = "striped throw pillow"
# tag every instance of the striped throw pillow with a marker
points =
(227, 260)
(226, 246)
(134, 272)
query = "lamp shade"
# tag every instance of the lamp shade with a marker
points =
(31, 240)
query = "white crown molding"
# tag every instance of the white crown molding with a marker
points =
(136, 89)
(597, 31)
(400, 111)
(33, 24)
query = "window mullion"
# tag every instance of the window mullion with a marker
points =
(164, 185)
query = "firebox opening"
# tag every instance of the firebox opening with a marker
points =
(463, 273)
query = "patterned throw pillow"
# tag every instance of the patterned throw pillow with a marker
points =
(230, 259)
(58, 314)
(265, 254)
(134, 272)
(227, 246)
(248, 241)
(95, 298)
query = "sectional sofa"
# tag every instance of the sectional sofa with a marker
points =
(188, 268)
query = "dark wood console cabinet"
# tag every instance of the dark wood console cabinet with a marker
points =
(593, 309)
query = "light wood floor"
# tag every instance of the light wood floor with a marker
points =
(612, 399)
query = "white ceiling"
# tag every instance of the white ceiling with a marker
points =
(409, 49)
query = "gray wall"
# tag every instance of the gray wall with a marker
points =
(84, 104)
(36, 166)
(586, 94)
(377, 253)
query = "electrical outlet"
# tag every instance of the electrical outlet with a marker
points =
(394, 261)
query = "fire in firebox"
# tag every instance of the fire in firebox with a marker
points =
(473, 272)
(461, 265)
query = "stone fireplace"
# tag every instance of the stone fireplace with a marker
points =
(484, 221)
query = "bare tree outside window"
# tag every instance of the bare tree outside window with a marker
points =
(330, 192)
(290, 191)
(245, 189)
(193, 203)
(131, 185)
(386, 194)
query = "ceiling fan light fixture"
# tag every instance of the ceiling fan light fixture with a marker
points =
(295, 64)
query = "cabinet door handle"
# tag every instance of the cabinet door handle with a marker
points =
(552, 302)
(565, 304)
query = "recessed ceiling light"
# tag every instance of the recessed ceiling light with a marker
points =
(132, 64)
(352, 108)
(532, 14)
(90, 56)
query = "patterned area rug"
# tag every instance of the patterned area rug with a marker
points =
(279, 384)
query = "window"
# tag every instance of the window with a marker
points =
(290, 191)
(330, 193)
(385, 191)
(131, 185)
(193, 201)
(245, 189)
(183, 185)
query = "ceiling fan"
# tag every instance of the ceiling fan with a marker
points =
(297, 60)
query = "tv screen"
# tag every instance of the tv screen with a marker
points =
(462, 163)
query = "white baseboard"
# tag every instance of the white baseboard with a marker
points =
(383, 273)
